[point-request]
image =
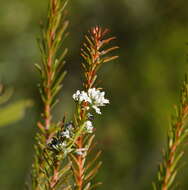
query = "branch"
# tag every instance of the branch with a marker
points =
(177, 134)
(47, 167)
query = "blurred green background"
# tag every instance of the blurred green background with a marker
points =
(142, 85)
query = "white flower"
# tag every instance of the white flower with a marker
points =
(94, 97)
(84, 97)
(89, 126)
(90, 116)
(93, 93)
(63, 144)
(97, 110)
(69, 126)
(76, 95)
(81, 96)
(66, 134)
(97, 98)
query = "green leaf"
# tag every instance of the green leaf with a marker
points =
(172, 179)
(154, 186)
(177, 160)
(13, 112)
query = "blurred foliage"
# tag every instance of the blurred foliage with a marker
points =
(142, 85)
(13, 112)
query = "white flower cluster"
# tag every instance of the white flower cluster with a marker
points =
(94, 97)
(81, 96)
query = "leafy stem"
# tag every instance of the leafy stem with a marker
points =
(47, 167)
(94, 56)
(176, 137)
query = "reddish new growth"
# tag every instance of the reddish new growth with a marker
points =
(94, 55)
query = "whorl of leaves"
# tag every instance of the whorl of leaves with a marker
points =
(177, 134)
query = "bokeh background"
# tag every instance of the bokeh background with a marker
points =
(143, 84)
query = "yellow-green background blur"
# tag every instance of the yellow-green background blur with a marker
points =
(142, 85)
